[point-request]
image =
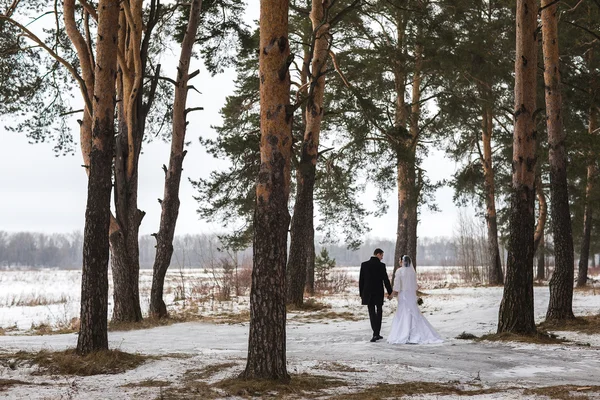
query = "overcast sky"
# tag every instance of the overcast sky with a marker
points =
(44, 193)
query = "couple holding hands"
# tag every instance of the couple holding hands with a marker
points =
(409, 325)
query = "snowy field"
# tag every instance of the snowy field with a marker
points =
(333, 342)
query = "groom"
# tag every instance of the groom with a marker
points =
(370, 285)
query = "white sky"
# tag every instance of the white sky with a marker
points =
(44, 193)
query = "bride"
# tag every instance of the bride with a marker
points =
(409, 325)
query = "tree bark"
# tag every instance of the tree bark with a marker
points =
(267, 338)
(541, 261)
(124, 232)
(588, 209)
(302, 229)
(496, 277)
(560, 306)
(93, 334)
(538, 235)
(516, 309)
(170, 203)
(403, 163)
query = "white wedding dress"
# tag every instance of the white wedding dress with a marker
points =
(409, 325)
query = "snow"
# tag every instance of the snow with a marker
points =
(312, 344)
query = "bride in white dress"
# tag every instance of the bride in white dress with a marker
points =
(409, 325)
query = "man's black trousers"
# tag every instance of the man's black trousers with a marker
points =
(375, 315)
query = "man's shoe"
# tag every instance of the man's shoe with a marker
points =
(373, 339)
(379, 337)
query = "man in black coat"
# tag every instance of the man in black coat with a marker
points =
(373, 277)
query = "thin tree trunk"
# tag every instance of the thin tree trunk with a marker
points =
(516, 309)
(302, 229)
(588, 212)
(496, 276)
(560, 306)
(267, 338)
(541, 260)
(93, 335)
(538, 235)
(170, 203)
(592, 171)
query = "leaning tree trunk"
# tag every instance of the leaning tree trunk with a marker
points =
(516, 309)
(93, 335)
(170, 203)
(267, 338)
(302, 229)
(494, 266)
(560, 306)
(592, 171)
(541, 261)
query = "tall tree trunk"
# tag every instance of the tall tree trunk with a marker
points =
(267, 338)
(302, 229)
(408, 193)
(538, 235)
(170, 203)
(124, 229)
(93, 334)
(400, 119)
(310, 267)
(516, 309)
(560, 306)
(131, 117)
(495, 274)
(414, 187)
(541, 261)
(588, 212)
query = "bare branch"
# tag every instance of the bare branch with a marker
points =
(90, 9)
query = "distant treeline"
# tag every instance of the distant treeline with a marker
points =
(59, 250)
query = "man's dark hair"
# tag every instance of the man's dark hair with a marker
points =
(377, 251)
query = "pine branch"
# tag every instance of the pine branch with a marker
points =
(30, 35)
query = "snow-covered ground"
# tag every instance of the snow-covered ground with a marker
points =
(313, 345)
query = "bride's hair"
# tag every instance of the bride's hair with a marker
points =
(406, 261)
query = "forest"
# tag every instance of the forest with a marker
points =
(330, 96)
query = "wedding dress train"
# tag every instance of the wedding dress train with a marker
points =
(409, 325)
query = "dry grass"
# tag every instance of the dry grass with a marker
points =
(7, 383)
(538, 338)
(589, 324)
(45, 329)
(69, 363)
(300, 385)
(149, 323)
(148, 383)
(208, 371)
(309, 305)
(467, 336)
(319, 317)
(392, 391)
(193, 384)
(564, 392)
(337, 367)
(227, 318)
(36, 300)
